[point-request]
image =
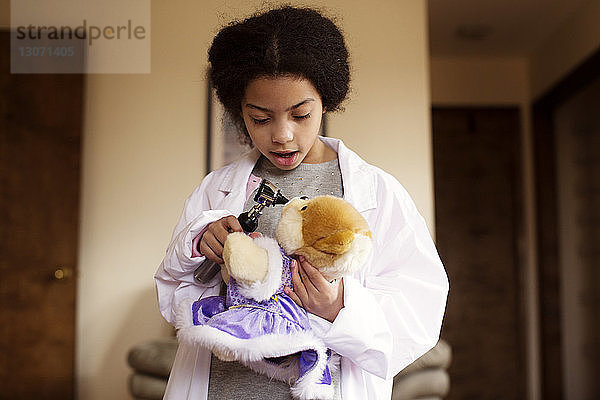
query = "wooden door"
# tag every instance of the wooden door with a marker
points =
(477, 197)
(40, 125)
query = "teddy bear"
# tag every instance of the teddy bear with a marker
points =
(256, 323)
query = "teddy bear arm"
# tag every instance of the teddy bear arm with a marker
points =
(244, 260)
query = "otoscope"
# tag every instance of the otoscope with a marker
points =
(267, 195)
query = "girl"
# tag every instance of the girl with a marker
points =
(276, 74)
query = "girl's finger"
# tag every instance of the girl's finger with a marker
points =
(210, 254)
(220, 232)
(299, 288)
(315, 276)
(293, 296)
(211, 242)
(308, 283)
(224, 226)
(232, 224)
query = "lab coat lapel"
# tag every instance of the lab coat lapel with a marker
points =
(357, 178)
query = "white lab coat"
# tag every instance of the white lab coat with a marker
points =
(393, 307)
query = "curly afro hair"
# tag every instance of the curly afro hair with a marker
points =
(283, 41)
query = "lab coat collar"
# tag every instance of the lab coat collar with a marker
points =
(357, 177)
(238, 173)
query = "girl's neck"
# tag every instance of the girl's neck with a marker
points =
(320, 153)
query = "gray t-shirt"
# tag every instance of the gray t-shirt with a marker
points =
(232, 380)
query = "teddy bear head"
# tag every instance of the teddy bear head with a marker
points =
(328, 231)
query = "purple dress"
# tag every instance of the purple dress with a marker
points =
(272, 337)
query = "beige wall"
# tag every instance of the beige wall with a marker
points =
(387, 119)
(143, 154)
(477, 81)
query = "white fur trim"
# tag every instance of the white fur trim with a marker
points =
(334, 362)
(289, 228)
(263, 290)
(287, 371)
(252, 353)
(250, 350)
(313, 391)
(183, 314)
(352, 260)
(307, 386)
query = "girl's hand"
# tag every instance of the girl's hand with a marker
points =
(211, 243)
(313, 292)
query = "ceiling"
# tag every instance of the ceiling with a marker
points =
(495, 28)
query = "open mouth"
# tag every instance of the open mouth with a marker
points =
(285, 154)
(285, 158)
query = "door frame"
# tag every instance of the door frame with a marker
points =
(544, 156)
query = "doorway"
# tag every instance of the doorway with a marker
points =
(478, 224)
(40, 136)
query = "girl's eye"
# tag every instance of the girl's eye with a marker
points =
(260, 121)
(305, 116)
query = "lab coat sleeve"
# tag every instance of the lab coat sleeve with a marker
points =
(393, 310)
(175, 276)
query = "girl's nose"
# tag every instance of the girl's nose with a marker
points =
(282, 134)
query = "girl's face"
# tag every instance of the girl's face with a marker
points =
(283, 117)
